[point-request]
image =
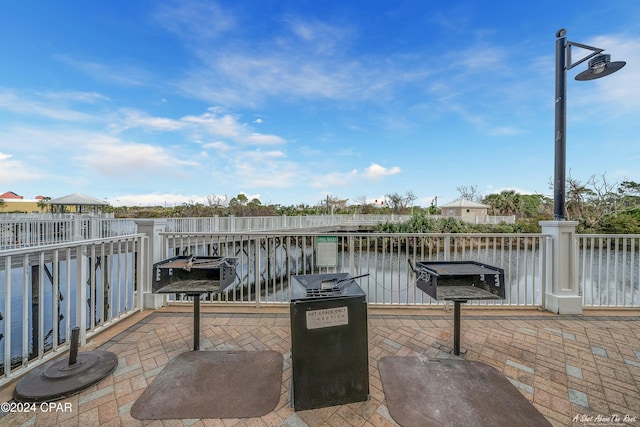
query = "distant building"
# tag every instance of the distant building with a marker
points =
(10, 195)
(465, 209)
(77, 203)
(73, 203)
(15, 203)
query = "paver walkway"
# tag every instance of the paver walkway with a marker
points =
(577, 370)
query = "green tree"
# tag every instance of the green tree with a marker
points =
(629, 196)
(510, 201)
(493, 200)
(507, 202)
(42, 203)
(536, 206)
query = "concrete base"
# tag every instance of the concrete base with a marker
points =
(564, 304)
(152, 301)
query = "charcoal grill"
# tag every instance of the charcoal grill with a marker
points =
(329, 350)
(194, 276)
(459, 281)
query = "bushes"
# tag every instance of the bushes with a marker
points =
(421, 223)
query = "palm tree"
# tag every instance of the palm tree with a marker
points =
(42, 203)
(510, 202)
(494, 201)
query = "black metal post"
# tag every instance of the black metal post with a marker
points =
(73, 346)
(456, 327)
(196, 322)
(560, 127)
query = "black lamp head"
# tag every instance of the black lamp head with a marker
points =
(600, 66)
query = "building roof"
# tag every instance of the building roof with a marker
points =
(10, 195)
(77, 199)
(463, 203)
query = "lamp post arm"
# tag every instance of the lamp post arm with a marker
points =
(596, 51)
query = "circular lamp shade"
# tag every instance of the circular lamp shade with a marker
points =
(600, 66)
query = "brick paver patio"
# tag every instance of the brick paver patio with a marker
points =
(577, 370)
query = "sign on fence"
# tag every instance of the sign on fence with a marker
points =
(327, 251)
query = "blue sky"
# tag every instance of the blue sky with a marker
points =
(149, 102)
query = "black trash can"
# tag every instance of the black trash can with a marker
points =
(329, 352)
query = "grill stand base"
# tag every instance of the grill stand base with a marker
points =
(196, 320)
(58, 379)
(456, 327)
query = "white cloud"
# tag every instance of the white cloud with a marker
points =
(266, 174)
(219, 146)
(334, 179)
(376, 172)
(155, 199)
(136, 118)
(195, 20)
(76, 96)
(262, 139)
(24, 104)
(14, 171)
(113, 159)
(229, 127)
(120, 74)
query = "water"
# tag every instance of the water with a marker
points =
(391, 281)
(120, 297)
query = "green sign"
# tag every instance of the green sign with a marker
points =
(327, 251)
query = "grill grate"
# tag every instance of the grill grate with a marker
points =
(326, 292)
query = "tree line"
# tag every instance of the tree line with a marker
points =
(598, 205)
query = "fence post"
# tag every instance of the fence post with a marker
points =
(352, 255)
(563, 296)
(257, 270)
(155, 253)
(95, 231)
(81, 294)
(78, 223)
(447, 248)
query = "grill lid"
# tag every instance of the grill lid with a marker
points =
(331, 285)
(194, 274)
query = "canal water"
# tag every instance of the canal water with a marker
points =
(119, 287)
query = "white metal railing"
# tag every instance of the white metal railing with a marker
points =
(230, 224)
(40, 300)
(609, 269)
(21, 233)
(37, 230)
(266, 262)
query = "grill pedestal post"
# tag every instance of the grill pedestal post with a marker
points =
(196, 322)
(456, 327)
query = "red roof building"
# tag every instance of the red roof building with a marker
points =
(10, 195)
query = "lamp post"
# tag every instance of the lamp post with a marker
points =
(599, 66)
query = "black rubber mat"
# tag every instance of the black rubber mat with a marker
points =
(449, 392)
(213, 384)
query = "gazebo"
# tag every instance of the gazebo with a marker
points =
(80, 203)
